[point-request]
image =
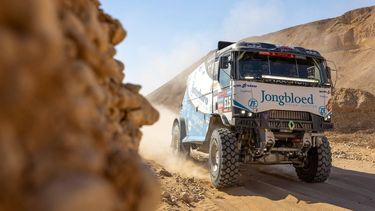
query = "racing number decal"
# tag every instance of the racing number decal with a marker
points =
(227, 102)
(224, 101)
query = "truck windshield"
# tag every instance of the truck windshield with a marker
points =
(256, 64)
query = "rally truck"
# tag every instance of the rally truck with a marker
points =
(257, 103)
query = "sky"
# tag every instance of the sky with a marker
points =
(166, 36)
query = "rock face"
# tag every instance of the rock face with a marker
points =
(69, 128)
(353, 110)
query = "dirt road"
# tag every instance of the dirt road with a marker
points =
(351, 184)
(277, 188)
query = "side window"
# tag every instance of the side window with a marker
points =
(211, 67)
(224, 71)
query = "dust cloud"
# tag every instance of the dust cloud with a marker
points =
(155, 145)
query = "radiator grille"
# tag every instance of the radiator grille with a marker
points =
(284, 125)
(290, 115)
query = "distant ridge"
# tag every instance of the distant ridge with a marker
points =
(347, 40)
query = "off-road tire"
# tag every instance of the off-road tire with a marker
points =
(317, 165)
(227, 163)
(182, 150)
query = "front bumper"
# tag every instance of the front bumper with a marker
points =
(267, 120)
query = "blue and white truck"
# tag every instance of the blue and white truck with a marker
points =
(257, 103)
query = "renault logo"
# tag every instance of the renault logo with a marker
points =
(291, 125)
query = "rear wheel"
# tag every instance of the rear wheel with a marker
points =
(223, 158)
(317, 165)
(179, 149)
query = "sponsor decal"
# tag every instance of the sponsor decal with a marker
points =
(248, 85)
(224, 101)
(289, 98)
(197, 93)
(274, 96)
(253, 103)
(245, 85)
(325, 91)
(323, 111)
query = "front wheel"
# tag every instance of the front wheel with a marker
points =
(317, 165)
(223, 158)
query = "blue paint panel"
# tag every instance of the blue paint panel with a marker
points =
(196, 122)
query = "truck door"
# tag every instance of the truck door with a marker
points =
(222, 87)
(197, 103)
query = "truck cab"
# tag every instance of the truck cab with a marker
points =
(258, 103)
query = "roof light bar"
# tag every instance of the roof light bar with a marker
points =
(290, 79)
(248, 77)
(277, 54)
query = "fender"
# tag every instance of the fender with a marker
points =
(224, 120)
(216, 120)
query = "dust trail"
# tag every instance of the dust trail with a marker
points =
(155, 145)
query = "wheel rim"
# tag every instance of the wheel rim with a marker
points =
(214, 157)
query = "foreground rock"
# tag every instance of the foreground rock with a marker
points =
(69, 128)
(178, 191)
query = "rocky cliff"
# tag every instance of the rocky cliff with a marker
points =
(354, 110)
(69, 127)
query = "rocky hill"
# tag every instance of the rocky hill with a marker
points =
(354, 110)
(347, 40)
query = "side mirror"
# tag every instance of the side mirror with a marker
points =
(329, 72)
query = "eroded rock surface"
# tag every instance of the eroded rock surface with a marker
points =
(69, 128)
(354, 110)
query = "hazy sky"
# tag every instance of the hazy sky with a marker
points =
(166, 36)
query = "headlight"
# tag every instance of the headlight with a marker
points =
(327, 118)
(242, 112)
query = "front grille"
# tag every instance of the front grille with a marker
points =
(284, 125)
(289, 115)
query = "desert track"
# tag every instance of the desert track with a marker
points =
(277, 188)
